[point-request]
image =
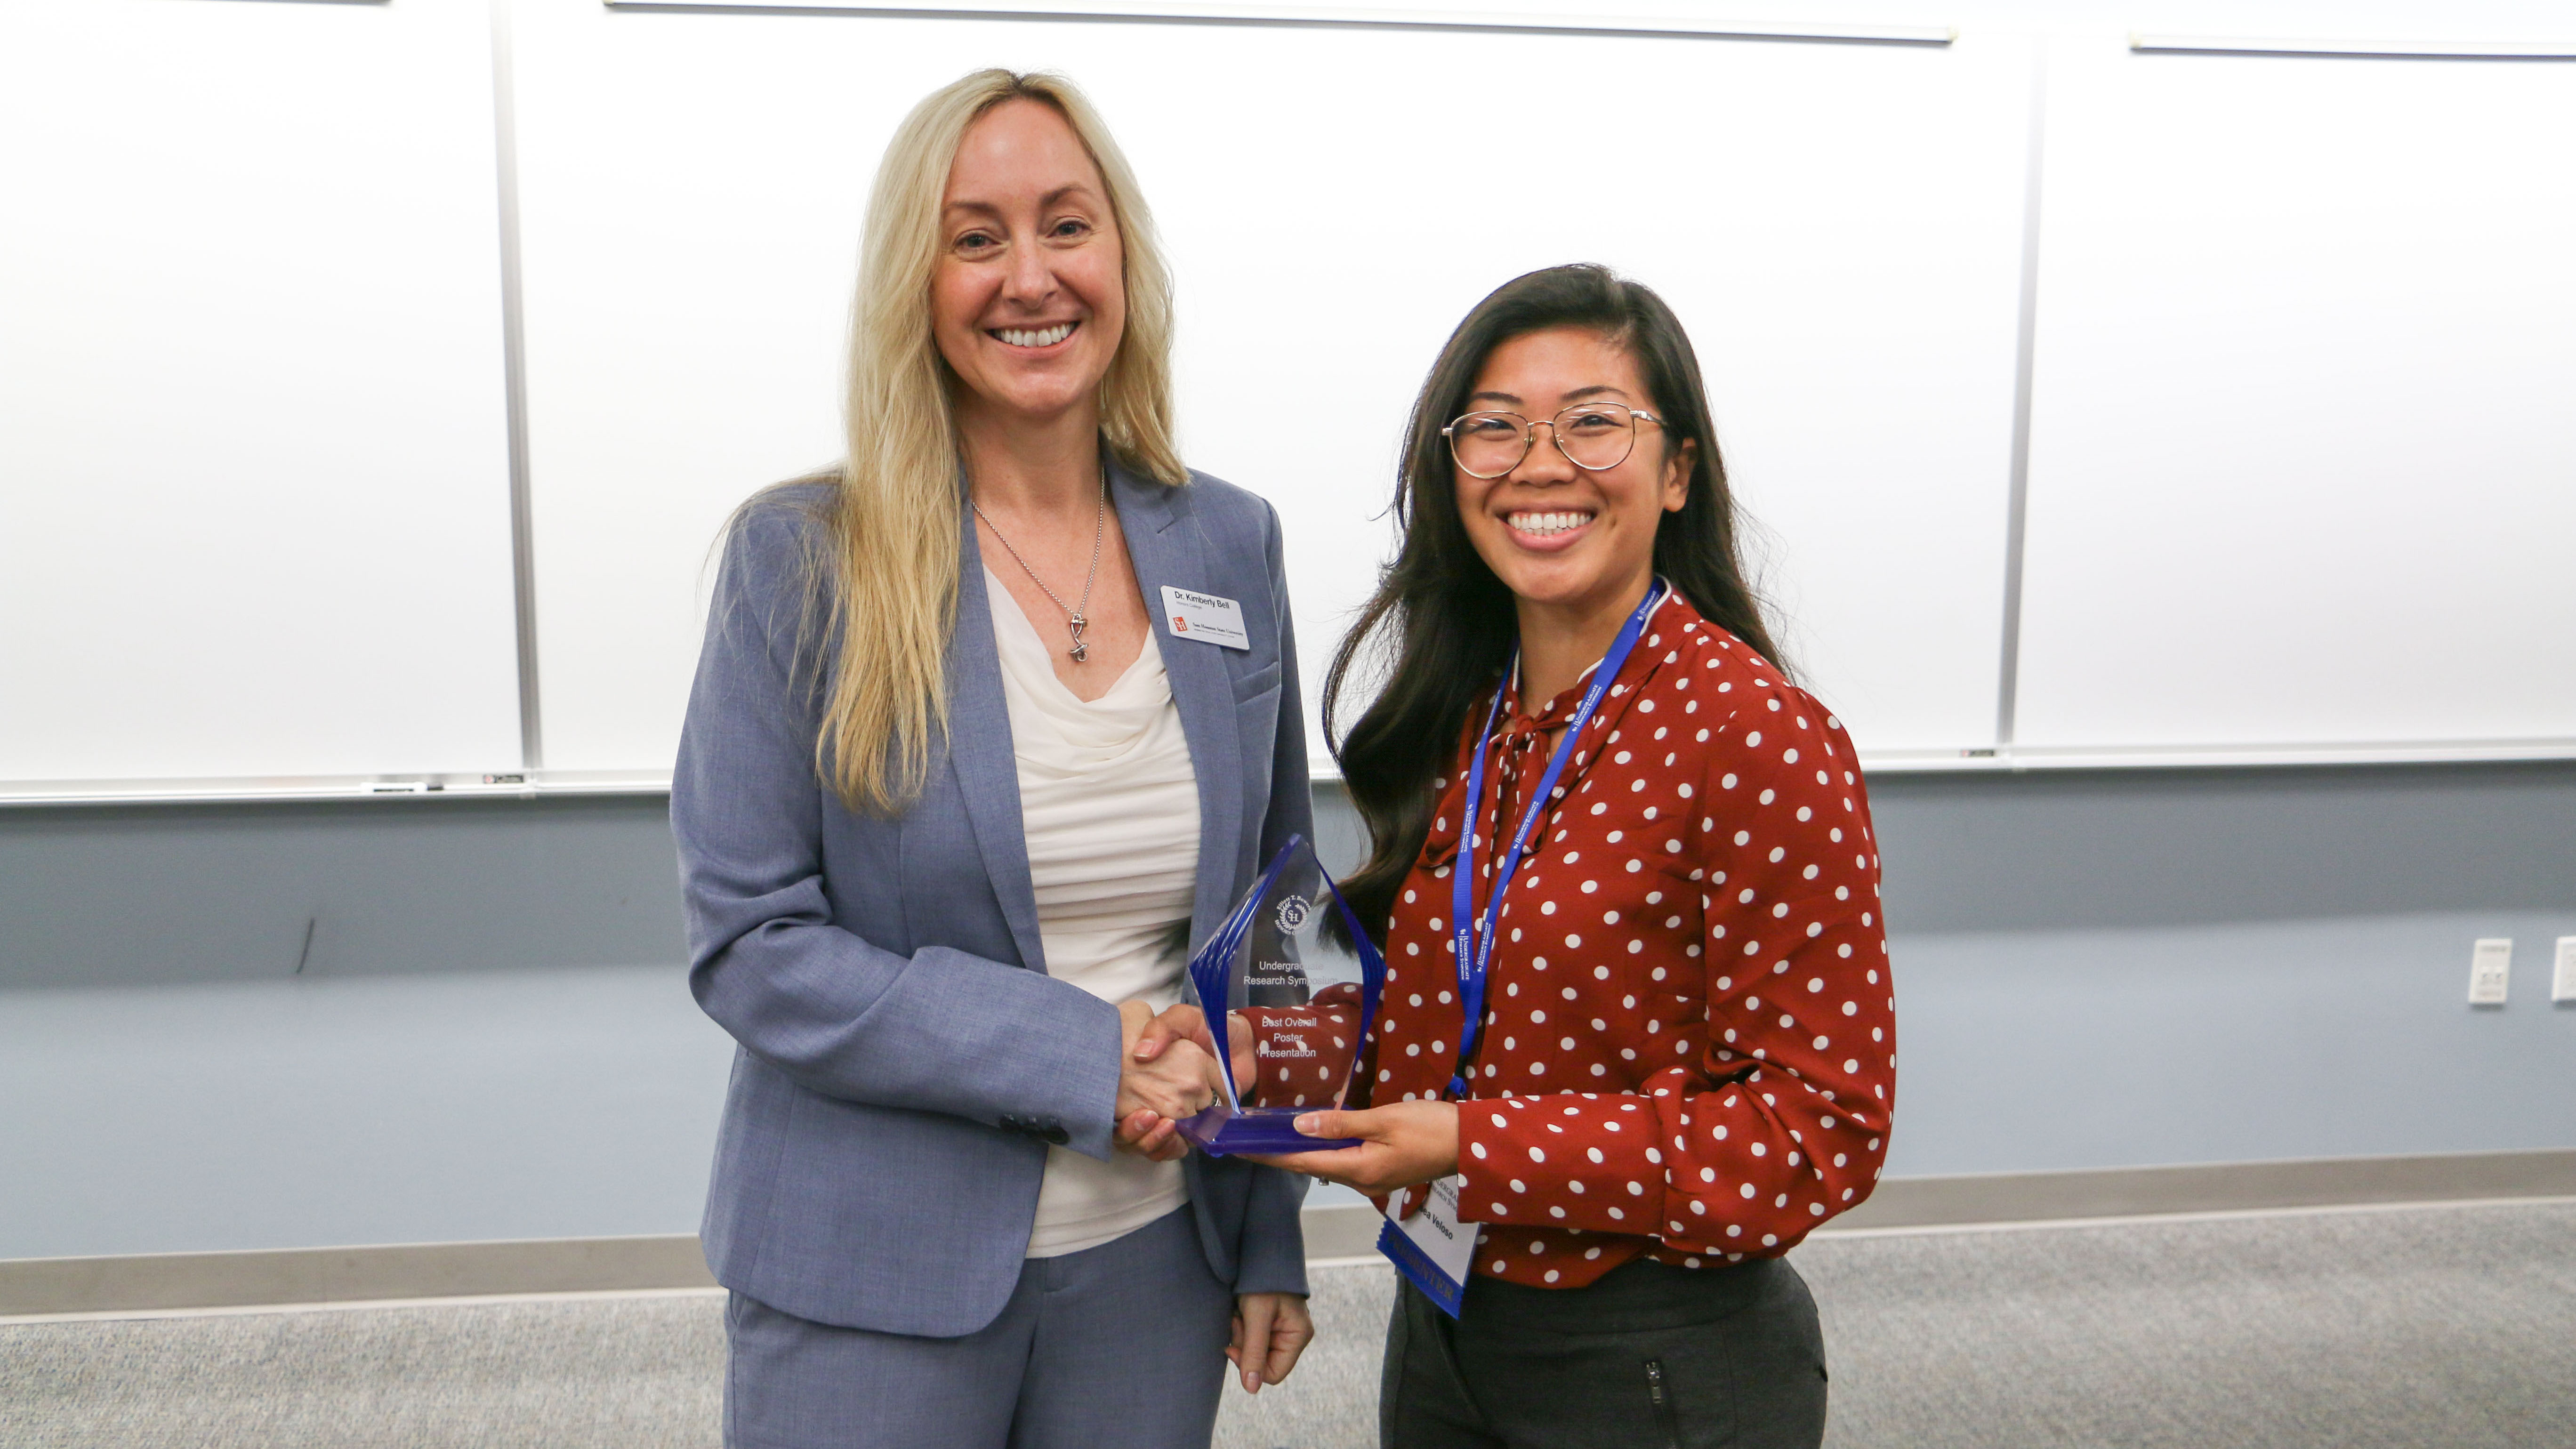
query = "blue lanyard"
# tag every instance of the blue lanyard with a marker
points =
(1473, 954)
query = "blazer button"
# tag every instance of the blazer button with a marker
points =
(1056, 1134)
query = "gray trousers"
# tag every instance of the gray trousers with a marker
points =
(1650, 1357)
(1121, 1344)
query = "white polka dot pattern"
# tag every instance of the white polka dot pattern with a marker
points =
(1718, 1078)
(1302, 1054)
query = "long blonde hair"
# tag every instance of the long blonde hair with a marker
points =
(892, 542)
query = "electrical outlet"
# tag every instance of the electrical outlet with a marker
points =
(2490, 971)
(2562, 982)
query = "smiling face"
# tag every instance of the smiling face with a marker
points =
(1027, 303)
(1562, 538)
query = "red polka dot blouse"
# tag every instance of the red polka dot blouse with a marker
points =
(1689, 1046)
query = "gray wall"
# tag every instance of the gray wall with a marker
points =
(490, 1036)
(2112, 969)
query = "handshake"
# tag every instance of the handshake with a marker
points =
(1168, 1072)
(1297, 982)
(1283, 1057)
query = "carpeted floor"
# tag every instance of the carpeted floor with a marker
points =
(2450, 1327)
(2437, 1326)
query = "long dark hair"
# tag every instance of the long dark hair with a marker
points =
(1451, 622)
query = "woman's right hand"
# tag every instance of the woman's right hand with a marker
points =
(1173, 1082)
(1184, 1023)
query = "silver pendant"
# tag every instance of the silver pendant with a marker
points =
(1080, 651)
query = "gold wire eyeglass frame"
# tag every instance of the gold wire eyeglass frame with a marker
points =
(1555, 434)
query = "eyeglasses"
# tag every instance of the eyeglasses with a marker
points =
(1593, 436)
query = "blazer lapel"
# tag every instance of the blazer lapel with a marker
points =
(979, 745)
(1166, 547)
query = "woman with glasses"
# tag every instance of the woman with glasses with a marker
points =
(952, 799)
(1670, 1054)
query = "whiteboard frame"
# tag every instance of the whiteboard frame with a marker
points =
(283, 789)
(2361, 49)
(514, 388)
(570, 784)
(1185, 12)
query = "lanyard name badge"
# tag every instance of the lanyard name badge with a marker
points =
(1435, 1249)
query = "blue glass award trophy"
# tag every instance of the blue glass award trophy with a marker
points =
(1291, 968)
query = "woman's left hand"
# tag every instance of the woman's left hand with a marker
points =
(1401, 1144)
(1270, 1330)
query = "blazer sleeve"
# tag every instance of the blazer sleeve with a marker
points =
(940, 1030)
(1272, 1254)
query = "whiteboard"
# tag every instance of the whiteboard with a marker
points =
(256, 515)
(2303, 449)
(1839, 225)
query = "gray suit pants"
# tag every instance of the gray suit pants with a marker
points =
(1122, 1344)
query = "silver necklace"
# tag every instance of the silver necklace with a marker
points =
(1073, 616)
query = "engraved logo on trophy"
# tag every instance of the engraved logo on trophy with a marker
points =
(1293, 912)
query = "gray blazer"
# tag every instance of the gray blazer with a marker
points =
(904, 1058)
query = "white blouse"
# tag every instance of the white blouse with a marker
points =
(1110, 807)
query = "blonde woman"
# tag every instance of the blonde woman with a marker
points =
(959, 783)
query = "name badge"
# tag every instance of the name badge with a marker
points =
(1434, 1249)
(1204, 617)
